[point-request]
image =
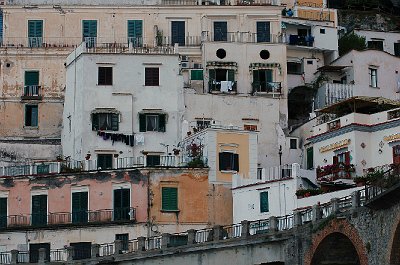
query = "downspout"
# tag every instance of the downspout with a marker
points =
(148, 222)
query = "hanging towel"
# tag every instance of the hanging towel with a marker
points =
(224, 86)
(139, 139)
(230, 85)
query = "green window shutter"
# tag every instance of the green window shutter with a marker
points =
(79, 207)
(169, 198)
(31, 78)
(235, 162)
(39, 210)
(161, 122)
(211, 74)
(114, 122)
(135, 28)
(35, 28)
(34, 116)
(196, 74)
(95, 122)
(89, 28)
(3, 212)
(310, 158)
(264, 204)
(268, 75)
(263, 31)
(256, 76)
(142, 122)
(220, 31)
(231, 75)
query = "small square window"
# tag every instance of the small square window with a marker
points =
(250, 127)
(152, 160)
(293, 143)
(152, 76)
(322, 31)
(310, 62)
(152, 122)
(105, 76)
(228, 161)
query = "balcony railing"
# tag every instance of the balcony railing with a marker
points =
(241, 37)
(335, 171)
(123, 214)
(219, 2)
(215, 86)
(301, 40)
(32, 92)
(267, 87)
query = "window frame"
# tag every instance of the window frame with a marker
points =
(150, 81)
(105, 78)
(264, 209)
(112, 118)
(371, 71)
(161, 126)
(291, 145)
(97, 164)
(232, 167)
(37, 116)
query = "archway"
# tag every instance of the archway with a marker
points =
(300, 104)
(336, 249)
(395, 251)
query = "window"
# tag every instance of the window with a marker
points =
(135, 32)
(31, 82)
(34, 252)
(152, 77)
(35, 33)
(105, 121)
(169, 199)
(264, 203)
(178, 32)
(393, 114)
(152, 160)
(263, 31)
(79, 207)
(310, 158)
(105, 76)
(152, 122)
(89, 32)
(122, 204)
(82, 250)
(125, 240)
(343, 157)
(39, 210)
(322, 31)
(3, 212)
(310, 62)
(376, 45)
(104, 161)
(250, 127)
(294, 68)
(262, 80)
(228, 161)
(293, 143)
(196, 74)
(202, 124)
(220, 31)
(373, 77)
(31, 115)
(397, 49)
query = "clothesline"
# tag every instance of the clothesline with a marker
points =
(128, 139)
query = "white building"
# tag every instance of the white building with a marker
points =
(121, 103)
(388, 41)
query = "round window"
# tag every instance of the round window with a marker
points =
(221, 53)
(264, 54)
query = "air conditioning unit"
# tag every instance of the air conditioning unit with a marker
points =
(185, 65)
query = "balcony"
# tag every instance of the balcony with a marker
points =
(307, 41)
(219, 2)
(32, 93)
(334, 172)
(228, 87)
(240, 37)
(329, 94)
(262, 88)
(118, 215)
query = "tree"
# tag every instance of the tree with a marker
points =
(351, 42)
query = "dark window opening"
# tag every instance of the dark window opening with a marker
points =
(82, 250)
(263, 31)
(3, 212)
(264, 203)
(79, 207)
(122, 204)
(31, 115)
(310, 158)
(104, 161)
(153, 160)
(135, 33)
(35, 33)
(220, 31)
(39, 210)
(376, 45)
(105, 76)
(262, 81)
(202, 124)
(221, 53)
(152, 122)
(294, 68)
(152, 77)
(178, 32)
(397, 49)
(322, 31)
(228, 161)
(293, 143)
(105, 121)
(34, 252)
(169, 199)
(125, 240)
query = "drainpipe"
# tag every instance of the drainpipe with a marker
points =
(148, 222)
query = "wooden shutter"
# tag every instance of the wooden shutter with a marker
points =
(35, 28)
(264, 204)
(31, 78)
(235, 162)
(135, 28)
(79, 207)
(95, 121)
(396, 154)
(231, 75)
(178, 32)
(89, 28)
(39, 210)
(3, 212)
(225, 161)
(310, 158)
(263, 31)
(114, 122)
(268, 75)
(169, 198)
(335, 160)
(347, 158)
(142, 122)
(196, 74)
(161, 122)
(220, 31)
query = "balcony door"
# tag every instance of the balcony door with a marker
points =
(178, 32)
(122, 204)
(263, 31)
(3, 212)
(39, 210)
(35, 33)
(79, 207)
(262, 79)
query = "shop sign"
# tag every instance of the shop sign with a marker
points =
(334, 146)
(392, 137)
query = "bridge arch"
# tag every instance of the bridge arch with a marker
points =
(395, 245)
(338, 238)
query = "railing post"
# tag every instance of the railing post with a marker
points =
(316, 213)
(14, 256)
(95, 250)
(191, 236)
(70, 254)
(245, 229)
(141, 243)
(217, 233)
(165, 240)
(335, 205)
(42, 255)
(117, 247)
(273, 224)
(31, 169)
(297, 219)
(355, 199)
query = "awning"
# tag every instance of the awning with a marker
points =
(331, 68)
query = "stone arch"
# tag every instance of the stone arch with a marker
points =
(337, 231)
(394, 247)
(300, 101)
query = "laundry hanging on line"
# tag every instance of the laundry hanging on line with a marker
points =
(128, 139)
